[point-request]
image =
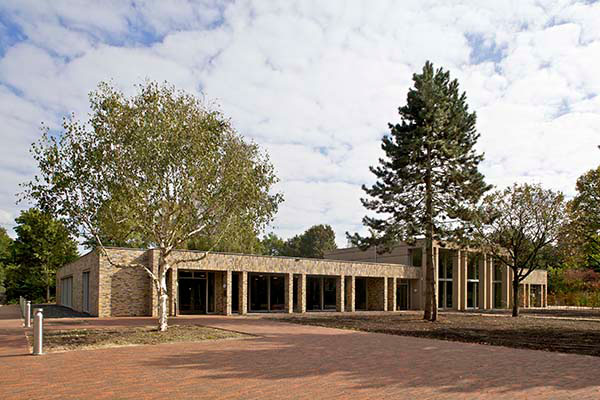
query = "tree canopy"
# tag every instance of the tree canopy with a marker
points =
(312, 243)
(43, 245)
(583, 230)
(160, 168)
(517, 226)
(429, 177)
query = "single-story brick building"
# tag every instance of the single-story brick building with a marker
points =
(346, 280)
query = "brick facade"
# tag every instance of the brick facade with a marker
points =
(129, 291)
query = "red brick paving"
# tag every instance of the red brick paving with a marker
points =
(285, 361)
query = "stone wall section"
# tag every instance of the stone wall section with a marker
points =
(270, 264)
(376, 294)
(125, 291)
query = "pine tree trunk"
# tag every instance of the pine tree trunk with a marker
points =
(430, 291)
(515, 307)
(47, 292)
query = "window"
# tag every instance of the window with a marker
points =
(416, 256)
(445, 278)
(66, 291)
(497, 286)
(473, 280)
(85, 287)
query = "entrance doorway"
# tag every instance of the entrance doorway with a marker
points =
(196, 292)
(267, 292)
(402, 293)
(321, 293)
(361, 293)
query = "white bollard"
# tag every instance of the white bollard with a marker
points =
(38, 321)
(28, 315)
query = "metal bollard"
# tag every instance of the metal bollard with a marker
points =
(28, 315)
(38, 321)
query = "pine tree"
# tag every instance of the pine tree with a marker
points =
(429, 177)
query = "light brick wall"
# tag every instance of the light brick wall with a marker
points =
(125, 291)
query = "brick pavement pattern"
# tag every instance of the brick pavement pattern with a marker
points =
(285, 361)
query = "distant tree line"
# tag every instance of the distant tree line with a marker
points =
(28, 264)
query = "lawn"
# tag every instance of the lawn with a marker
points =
(559, 335)
(79, 339)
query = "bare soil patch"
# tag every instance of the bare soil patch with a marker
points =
(80, 339)
(558, 335)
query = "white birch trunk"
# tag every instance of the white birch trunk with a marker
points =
(163, 297)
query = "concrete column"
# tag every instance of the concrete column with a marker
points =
(350, 294)
(302, 293)
(227, 295)
(392, 284)
(289, 292)
(528, 295)
(385, 294)
(456, 281)
(173, 292)
(243, 292)
(340, 293)
(490, 282)
(463, 281)
(483, 282)
(510, 288)
(545, 303)
(423, 282)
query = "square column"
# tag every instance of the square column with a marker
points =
(385, 294)
(483, 282)
(545, 303)
(289, 292)
(350, 293)
(490, 282)
(528, 295)
(228, 291)
(172, 292)
(457, 281)
(302, 293)
(392, 293)
(463, 258)
(506, 287)
(243, 292)
(340, 293)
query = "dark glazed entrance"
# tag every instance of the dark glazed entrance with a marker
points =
(196, 292)
(361, 293)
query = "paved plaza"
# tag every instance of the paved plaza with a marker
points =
(286, 361)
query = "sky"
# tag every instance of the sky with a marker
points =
(315, 83)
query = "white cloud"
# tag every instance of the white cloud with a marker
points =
(315, 83)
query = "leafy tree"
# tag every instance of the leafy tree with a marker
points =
(582, 233)
(5, 246)
(273, 245)
(429, 177)
(164, 165)
(43, 245)
(317, 240)
(312, 243)
(517, 226)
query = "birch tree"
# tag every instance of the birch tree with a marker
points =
(161, 167)
(516, 226)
